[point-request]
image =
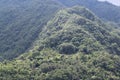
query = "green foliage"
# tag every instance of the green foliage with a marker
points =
(70, 31)
(67, 48)
(52, 65)
(83, 33)
(62, 74)
(22, 21)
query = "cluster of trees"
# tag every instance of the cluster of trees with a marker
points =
(50, 65)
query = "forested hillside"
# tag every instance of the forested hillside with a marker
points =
(80, 28)
(59, 40)
(20, 23)
(74, 45)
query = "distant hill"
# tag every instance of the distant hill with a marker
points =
(74, 45)
(104, 10)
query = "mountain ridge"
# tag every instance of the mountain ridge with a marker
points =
(64, 28)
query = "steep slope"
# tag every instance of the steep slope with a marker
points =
(82, 29)
(68, 50)
(20, 23)
(104, 10)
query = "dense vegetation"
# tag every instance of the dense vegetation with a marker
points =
(80, 30)
(74, 45)
(50, 65)
(20, 23)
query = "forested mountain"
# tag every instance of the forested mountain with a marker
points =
(59, 40)
(22, 20)
(74, 45)
(20, 23)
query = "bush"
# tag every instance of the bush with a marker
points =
(67, 48)
(62, 74)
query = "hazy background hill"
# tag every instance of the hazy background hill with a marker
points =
(104, 10)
